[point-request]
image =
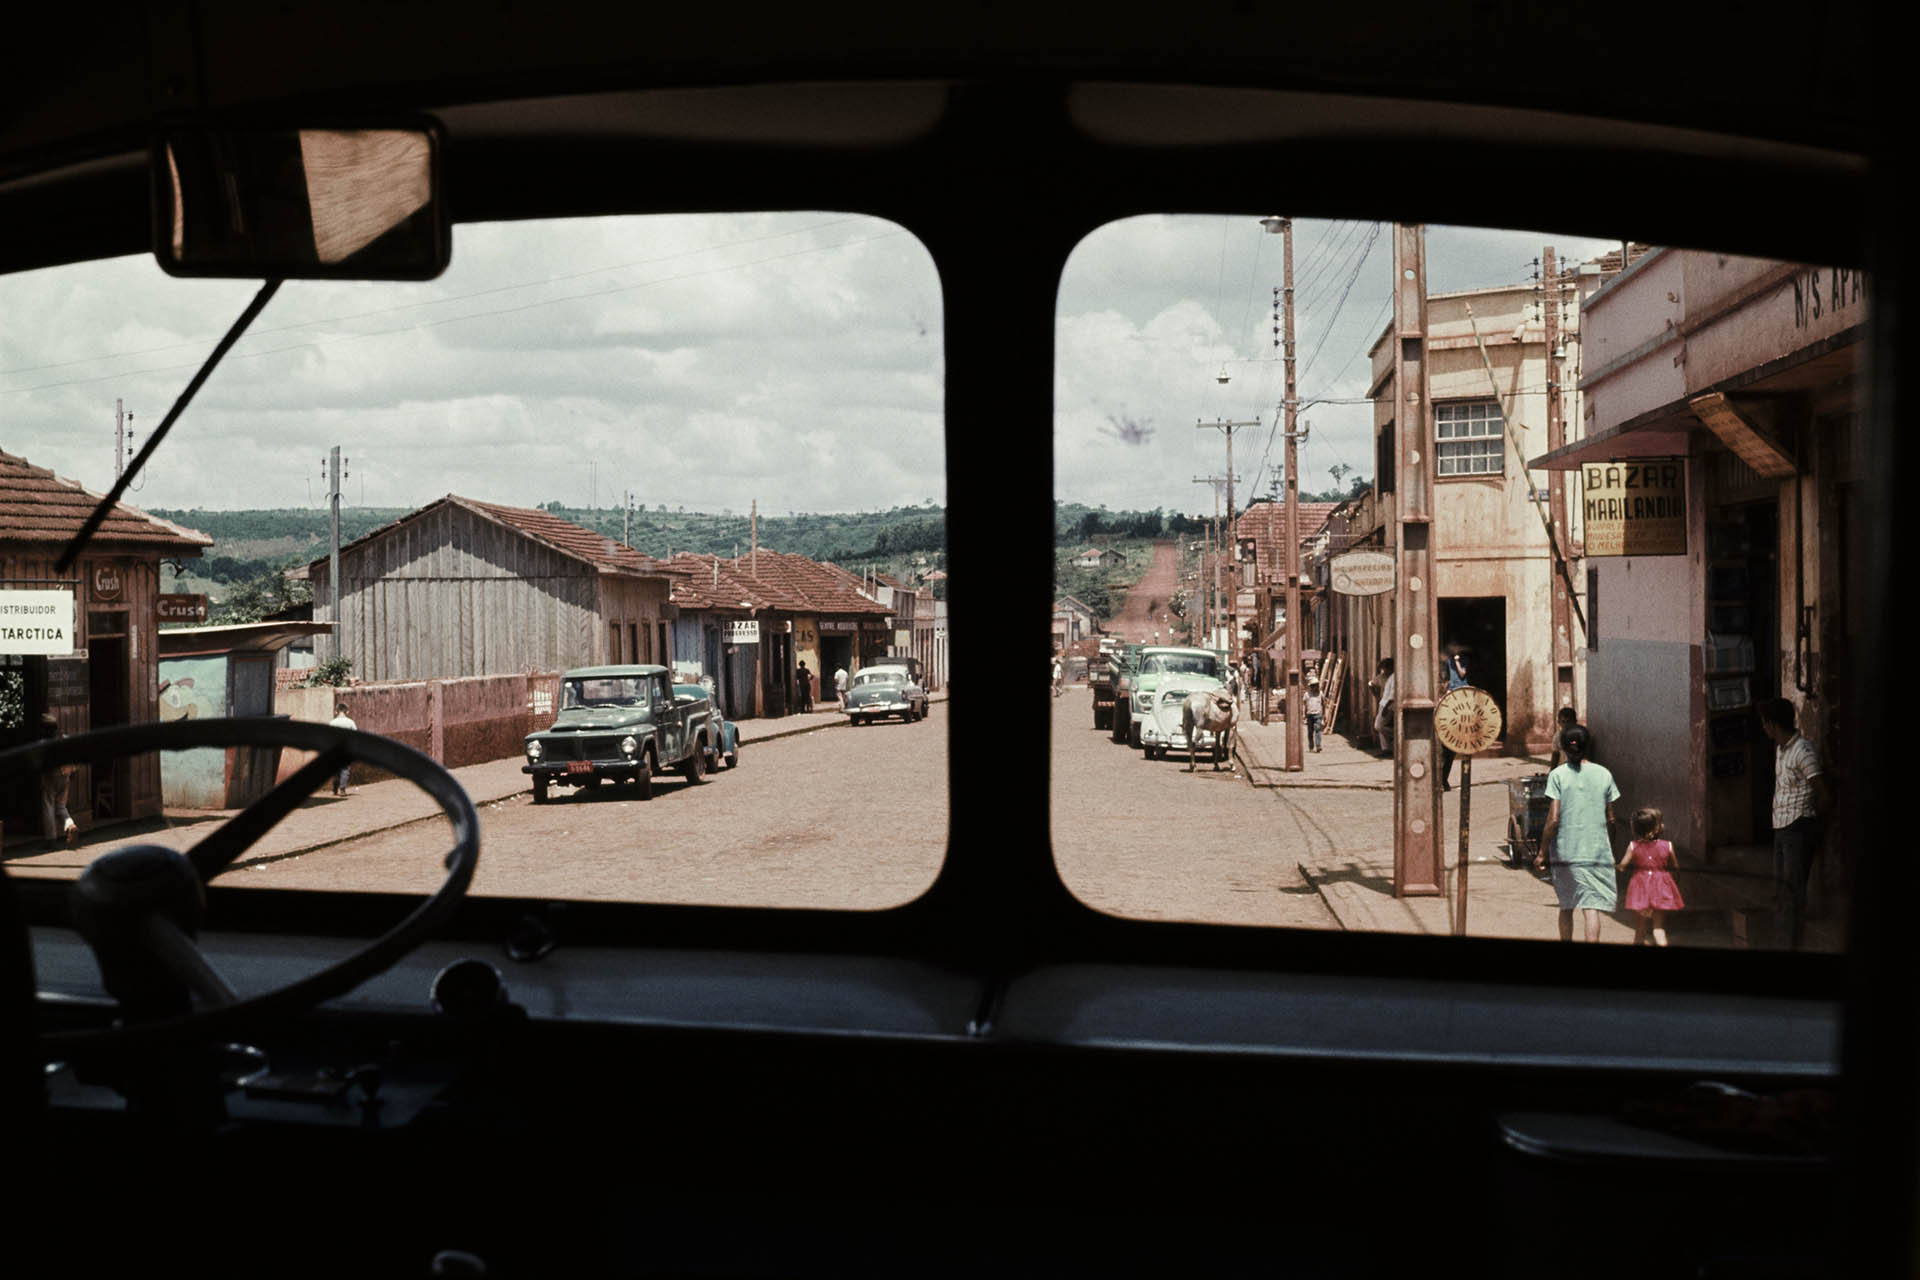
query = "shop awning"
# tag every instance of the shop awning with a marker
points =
(239, 637)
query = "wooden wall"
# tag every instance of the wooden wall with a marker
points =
(451, 594)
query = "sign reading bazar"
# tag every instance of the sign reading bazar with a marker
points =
(743, 632)
(1636, 508)
(36, 622)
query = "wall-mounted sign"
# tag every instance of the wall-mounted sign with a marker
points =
(1362, 573)
(179, 608)
(36, 622)
(107, 582)
(838, 624)
(743, 632)
(1636, 508)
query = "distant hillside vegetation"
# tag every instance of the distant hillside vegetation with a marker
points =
(900, 541)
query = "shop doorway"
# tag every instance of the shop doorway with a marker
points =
(1478, 625)
(836, 654)
(109, 689)
(1743, 575)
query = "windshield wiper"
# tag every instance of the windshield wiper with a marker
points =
(100, 513)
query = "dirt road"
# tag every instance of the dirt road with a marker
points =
(1144, 617)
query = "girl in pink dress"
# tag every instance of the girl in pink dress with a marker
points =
(1652, 891)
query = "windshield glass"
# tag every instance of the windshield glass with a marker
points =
(708, 443)
(620, 691)
(1183, 664)
(1576, 483)
(880, 677)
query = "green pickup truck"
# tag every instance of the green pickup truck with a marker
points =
(625, 723)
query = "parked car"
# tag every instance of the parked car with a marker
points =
(1194, 668)
(885, 691)
(626, 723)
(723, 735)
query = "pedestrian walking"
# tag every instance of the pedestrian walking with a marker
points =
(341, 720)
(1056, 675)
(1579, 836)
(1315, 709)
(1801, 802)
(1566, 718)
(840, 686)
(1652, 891)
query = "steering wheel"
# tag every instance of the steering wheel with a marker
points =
(139, 906)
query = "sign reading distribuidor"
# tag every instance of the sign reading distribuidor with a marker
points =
(1362, 573)
(36, 622)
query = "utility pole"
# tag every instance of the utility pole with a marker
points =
(1416, 795)
(1210, 586)
(754, 517)
(1296, 717)
(1230, 540)
(335, 474)
(119, 441)
(1557, 484)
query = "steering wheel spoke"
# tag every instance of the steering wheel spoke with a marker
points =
(239, 833)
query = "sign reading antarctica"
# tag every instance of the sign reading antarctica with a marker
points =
(36, 622)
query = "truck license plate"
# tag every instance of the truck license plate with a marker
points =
(579, 766)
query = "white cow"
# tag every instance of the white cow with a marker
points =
(1215, 711)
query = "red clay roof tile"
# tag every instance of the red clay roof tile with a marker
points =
(38, 506)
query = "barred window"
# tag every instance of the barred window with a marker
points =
(1468, 435)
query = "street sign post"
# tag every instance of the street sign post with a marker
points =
(1466, 720)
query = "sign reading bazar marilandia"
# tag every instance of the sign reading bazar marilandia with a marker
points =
(1635, 508)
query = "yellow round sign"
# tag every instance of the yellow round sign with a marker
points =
(1467, 720)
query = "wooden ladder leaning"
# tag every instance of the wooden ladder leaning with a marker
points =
(1330, 686)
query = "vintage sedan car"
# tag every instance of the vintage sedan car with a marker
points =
(1162, 730)
(887, 690)
(722, 741)
(624, 722)
(1194, 668)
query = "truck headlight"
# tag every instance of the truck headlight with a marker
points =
(535, 751)
(628, 745)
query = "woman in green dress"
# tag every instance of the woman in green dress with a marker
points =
(1579, 836)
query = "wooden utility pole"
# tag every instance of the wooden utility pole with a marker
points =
(1290, 564)
(1210, 586)
(754, 525)
(1557, 485)
(1230, 540)
(334, 476)
(1416, 795)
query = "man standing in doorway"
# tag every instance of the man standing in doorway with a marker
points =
(1800, 802)
(803, 686)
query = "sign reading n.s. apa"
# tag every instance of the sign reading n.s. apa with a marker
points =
(36, 622)
(1636, 508)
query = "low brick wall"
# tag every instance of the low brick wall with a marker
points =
(457, 722)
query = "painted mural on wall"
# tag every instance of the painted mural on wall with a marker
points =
(193, 689)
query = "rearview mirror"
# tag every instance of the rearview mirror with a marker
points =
(300, 203)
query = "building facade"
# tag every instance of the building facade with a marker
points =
(1725, 400)
(101, 670)
(468, 588)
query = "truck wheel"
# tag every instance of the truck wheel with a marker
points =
(539, 789)
(643, 776)
(694, 768)
(1099, 718)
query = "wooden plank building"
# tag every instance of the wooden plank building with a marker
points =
(468, 588)
(110, 676)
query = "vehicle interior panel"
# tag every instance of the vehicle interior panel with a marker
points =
(996, 1079)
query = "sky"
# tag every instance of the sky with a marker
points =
(704, 362)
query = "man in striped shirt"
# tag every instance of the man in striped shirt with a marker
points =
(1801, 801)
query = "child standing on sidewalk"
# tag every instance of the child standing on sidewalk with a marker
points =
(1315, 710)
(1652, 891)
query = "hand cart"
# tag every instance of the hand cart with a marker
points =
(1527, 806)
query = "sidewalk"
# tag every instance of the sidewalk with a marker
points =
(325, 819)
(1343, 798)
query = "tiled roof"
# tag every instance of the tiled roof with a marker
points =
(565, 536)
(38, 506)
(772, 580)
(575, 540)
(1266, 524)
